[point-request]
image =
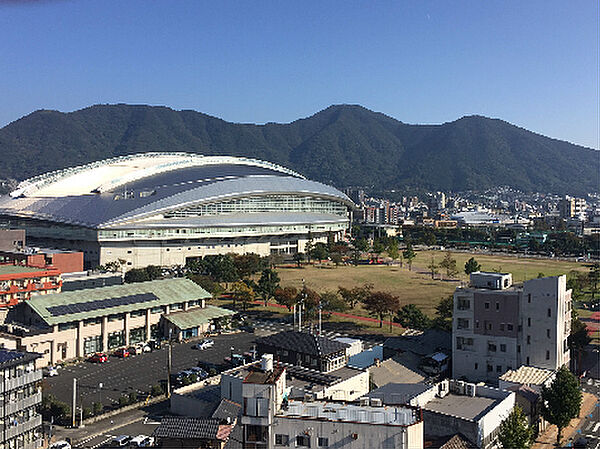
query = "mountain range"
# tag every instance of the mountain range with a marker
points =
(345, 145)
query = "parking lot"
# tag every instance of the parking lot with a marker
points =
(106, 382)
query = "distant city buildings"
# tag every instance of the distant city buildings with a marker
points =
(499, 326)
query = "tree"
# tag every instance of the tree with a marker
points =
(212, 287)
(298, 258)
(97, 408)
(594, 277)
(275, 259)
(267, 284)
(153, 271)
(362, 245)
(355, 295)
(286, 296)
(336, 258)
(242, 292)
(248, 264)
(515, 431)
(411, 316)
(378, 248)
(433, 268)
(381, 304)
(221, 268)
(471, 266)
(449, 264)
(393, 250)
(443, 312)
(332, 302)
(136, 275)
(409, 255)
(320, 251)
(561, 402)
(579, 337)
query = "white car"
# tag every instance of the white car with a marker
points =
(137, 441)
(50, 371)
(205, 344)
(147, 442)
(60, 445)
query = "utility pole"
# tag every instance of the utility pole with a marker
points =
(320, 322)
(169, 366)
(294, 316)
(74, 404)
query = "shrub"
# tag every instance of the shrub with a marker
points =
(123, 401)
(87, 413)
(157, 390)
(98, 408)
(133, 397)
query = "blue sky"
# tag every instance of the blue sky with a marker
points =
(532, 63)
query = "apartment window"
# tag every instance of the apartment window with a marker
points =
(487, 305)
(323, 442)
(302, 441)
(548, 333)
(497, 306)
(492, 347)
(464, 304)
(282, 440)
(489, 326)
(527, 360)
(463, 323)
(498, 368)
(529, 298)
(549, 313)
(547, 355)
(529, 339)
(476, 366)
(156, 310)
(509, 327)
(490, 368)
(528, 322)
(477, 324)
(503, 348)
(519, 349)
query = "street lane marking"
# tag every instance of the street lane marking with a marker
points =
(596, 427)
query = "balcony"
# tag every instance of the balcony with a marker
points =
(15, 406)
(28, 378)
(33, 423)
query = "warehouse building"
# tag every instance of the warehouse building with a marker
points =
(164, 208)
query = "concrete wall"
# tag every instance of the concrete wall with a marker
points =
(350, 435)
(12, 239)
(350, 389)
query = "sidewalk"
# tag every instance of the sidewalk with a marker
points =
(547, 439)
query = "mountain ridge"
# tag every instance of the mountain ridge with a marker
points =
(341, 144)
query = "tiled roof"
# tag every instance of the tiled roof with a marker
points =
(527, 375)
(457, 441)
(185, 427)
(227, 409)
(303, 343)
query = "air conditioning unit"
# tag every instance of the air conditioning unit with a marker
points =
(376, 402)
(364, 402)
(470, 390)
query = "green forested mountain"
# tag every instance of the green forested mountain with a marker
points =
(344, 145)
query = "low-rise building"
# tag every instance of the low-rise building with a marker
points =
(304, 349)
(64, 261)
(20, 283)
(77, 323)
(22, 423)
(90, 279)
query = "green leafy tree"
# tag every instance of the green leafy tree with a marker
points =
(136, 275)
(393, 250)
(332, 302)
(411, 316)
(515, 431)
(471, 266)
(561, 401)
(433, 268)
(212, 287)
(381, 304)
(221, 268)
(449, 264)
(409, 255)
(579, 337)
(594, 278)
(443, 312)
(286, 296)
(243, 293)
(298, 258)
(319, 251)
(378, 248)
(248, 264)
(97, 408)
(267, 284)
(336, 258)
(154, 272)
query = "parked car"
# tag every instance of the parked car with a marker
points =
(147, 442)
(138, 440)
(62, 444)
(99, 357)
(121, 353)
(205, 344)
(134, 350)
(247, 328)
(199, 372)
(50, 371)
(121, 440)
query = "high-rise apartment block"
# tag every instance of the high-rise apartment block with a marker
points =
(498, 326)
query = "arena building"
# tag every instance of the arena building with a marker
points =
(163, 208)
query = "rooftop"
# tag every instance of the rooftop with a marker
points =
(461, 406)
(10, 358)
(432, 340)
(527, 375)
(185, 427)
(334, 411)
(303, 342)
(96, 302)
(9, 269)
(398, 393)
(194, 317)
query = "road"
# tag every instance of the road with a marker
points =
(590, 428)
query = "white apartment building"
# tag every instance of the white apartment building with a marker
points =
(498, 326)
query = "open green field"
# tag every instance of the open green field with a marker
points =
(416, 286)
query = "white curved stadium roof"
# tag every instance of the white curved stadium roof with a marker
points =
(124, 190)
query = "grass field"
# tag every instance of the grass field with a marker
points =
(416, 286)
